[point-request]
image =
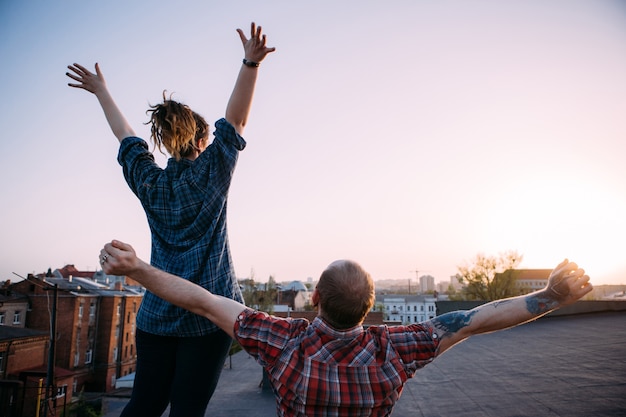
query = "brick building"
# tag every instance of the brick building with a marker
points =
(23, 355)
(22, 370)
(95, 323)
(529, 280)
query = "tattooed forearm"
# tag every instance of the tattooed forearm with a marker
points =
(540, 304)
(498, 303)
(454, 321)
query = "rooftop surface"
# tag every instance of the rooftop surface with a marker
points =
(568, 366)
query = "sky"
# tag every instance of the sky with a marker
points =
(406, 135)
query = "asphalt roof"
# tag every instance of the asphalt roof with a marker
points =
(13, 333)
(568, 366)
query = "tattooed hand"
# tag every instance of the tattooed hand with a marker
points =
(567, 283)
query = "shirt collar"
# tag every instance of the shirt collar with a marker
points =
(182, 162)
(350, 333)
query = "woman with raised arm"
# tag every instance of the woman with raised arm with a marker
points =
(180, 355)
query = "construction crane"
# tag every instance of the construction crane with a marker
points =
(417, 273)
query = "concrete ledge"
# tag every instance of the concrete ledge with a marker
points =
(584, 306)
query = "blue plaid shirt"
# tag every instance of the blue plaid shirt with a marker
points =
(185, 204)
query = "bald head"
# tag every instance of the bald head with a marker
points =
(346, 294)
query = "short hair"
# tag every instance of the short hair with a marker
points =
(346, 294)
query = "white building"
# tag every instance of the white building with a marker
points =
(407, 309)
(297, 294)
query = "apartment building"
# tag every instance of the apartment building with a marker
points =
(95, 323)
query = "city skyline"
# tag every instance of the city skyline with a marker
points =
(406, 136)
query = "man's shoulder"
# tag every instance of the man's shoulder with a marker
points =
(261, 318)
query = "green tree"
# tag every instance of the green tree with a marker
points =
(451, 291)
(267, 299)
(490, 278)
(259, 296)
(248, 288)
(84, 408)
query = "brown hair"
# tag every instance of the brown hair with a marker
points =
(346, 294)
(176, 127)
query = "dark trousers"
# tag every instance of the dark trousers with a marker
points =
(182, 371)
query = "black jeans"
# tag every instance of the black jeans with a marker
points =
(182, 371)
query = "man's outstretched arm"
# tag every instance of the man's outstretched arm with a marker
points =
(118, 258)
(566, 285)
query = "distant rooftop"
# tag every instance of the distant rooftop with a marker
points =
(295, 286)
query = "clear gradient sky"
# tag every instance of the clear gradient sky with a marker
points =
(406, 135)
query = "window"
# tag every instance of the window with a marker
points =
(92, 309)
(17, 317)
(76, 358)
(2, 318)
(114, 353)
(119, 309)
(88, 356)
(61, 391)
(80, 310)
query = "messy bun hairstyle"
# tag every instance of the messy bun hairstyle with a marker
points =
(176, 127)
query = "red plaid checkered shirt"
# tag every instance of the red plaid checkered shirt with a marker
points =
(316, 370)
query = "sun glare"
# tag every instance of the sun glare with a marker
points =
(546, 221)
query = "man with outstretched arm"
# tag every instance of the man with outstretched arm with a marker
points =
(333, 366)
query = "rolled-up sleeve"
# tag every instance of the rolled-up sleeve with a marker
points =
(263, 336)
(416, 345)
(137, 163)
